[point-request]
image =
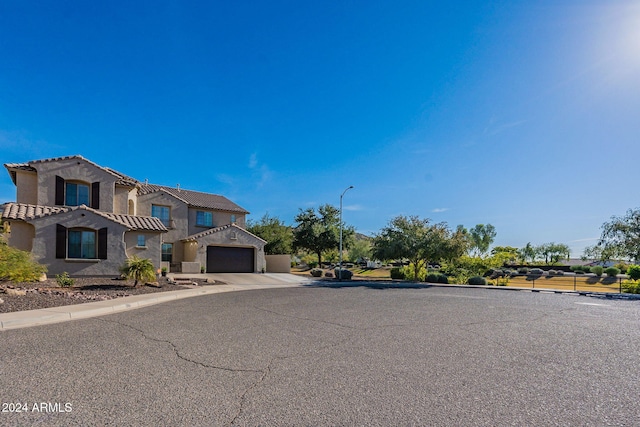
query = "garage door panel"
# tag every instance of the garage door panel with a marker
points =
(221, 259)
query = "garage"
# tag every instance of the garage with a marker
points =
(224, 259)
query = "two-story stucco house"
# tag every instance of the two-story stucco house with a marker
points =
(76, 216)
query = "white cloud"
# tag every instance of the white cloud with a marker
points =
(439, 210)
(253, 161)
(353, 208)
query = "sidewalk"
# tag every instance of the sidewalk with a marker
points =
(24, 319)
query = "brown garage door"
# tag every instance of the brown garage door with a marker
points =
(222, 259)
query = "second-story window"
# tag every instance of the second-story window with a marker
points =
(233, 219)
(204, 219)
(76, 194)
(163, 213)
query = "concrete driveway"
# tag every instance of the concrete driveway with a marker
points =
(248, 278)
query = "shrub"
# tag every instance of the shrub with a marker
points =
(431, 278)
(634, 272)
(437, 278)
(138, 269)
(597, 270)
(64, 280)
(552, 272)
(631, 286)
(622, 266)
(586, 269)
(477, 280)
(612, 271)
(17, 265)
(397, 273)
(316, 272)
(409, 273)
(559, 272)
(490, 272)
(536, 272)
(346, 274)
(523, 270)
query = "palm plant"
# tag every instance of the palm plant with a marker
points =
(138, 269)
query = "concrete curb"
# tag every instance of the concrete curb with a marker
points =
(46, 316)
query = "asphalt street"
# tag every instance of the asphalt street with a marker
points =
(333, 356)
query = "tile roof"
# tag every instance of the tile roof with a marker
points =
(195, 198)
(217, 230)
(24, 212)
(122, 179)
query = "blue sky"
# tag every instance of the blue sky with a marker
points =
(522, 114)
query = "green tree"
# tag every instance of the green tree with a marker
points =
(620, 237)
(508, 253)
(320, 232)
(359, 249)
(553, 252)
(418, 241)
(138, 269)
(527, 253)
(481, 237)
(279, 236)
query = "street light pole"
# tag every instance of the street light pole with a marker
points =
(340, 264)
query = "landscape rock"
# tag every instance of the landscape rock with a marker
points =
(15, 292)
(153, 284)
(1, 301)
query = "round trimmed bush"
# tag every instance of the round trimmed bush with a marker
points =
(431, 278)
(397, 273)
(559, 272)
(552, 272)
(443, 278)
(536, 271)
(523, 270)
(597, 270)
(477, 280)
(612, 271)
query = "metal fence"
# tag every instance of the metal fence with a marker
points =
(574, 282)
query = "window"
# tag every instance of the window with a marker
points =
(82, 244)
(233, 219)
(141, 240)
(167, 252)
(204, 218)
(76, 194)
(163, 213)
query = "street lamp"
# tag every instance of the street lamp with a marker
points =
(341, 196)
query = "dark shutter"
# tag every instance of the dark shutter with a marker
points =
(95, 195)
(59, 191)
(61, 241)
(102, 243)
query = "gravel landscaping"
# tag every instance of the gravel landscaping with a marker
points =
(32, 296)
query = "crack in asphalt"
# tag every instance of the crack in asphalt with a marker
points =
(177, 351)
